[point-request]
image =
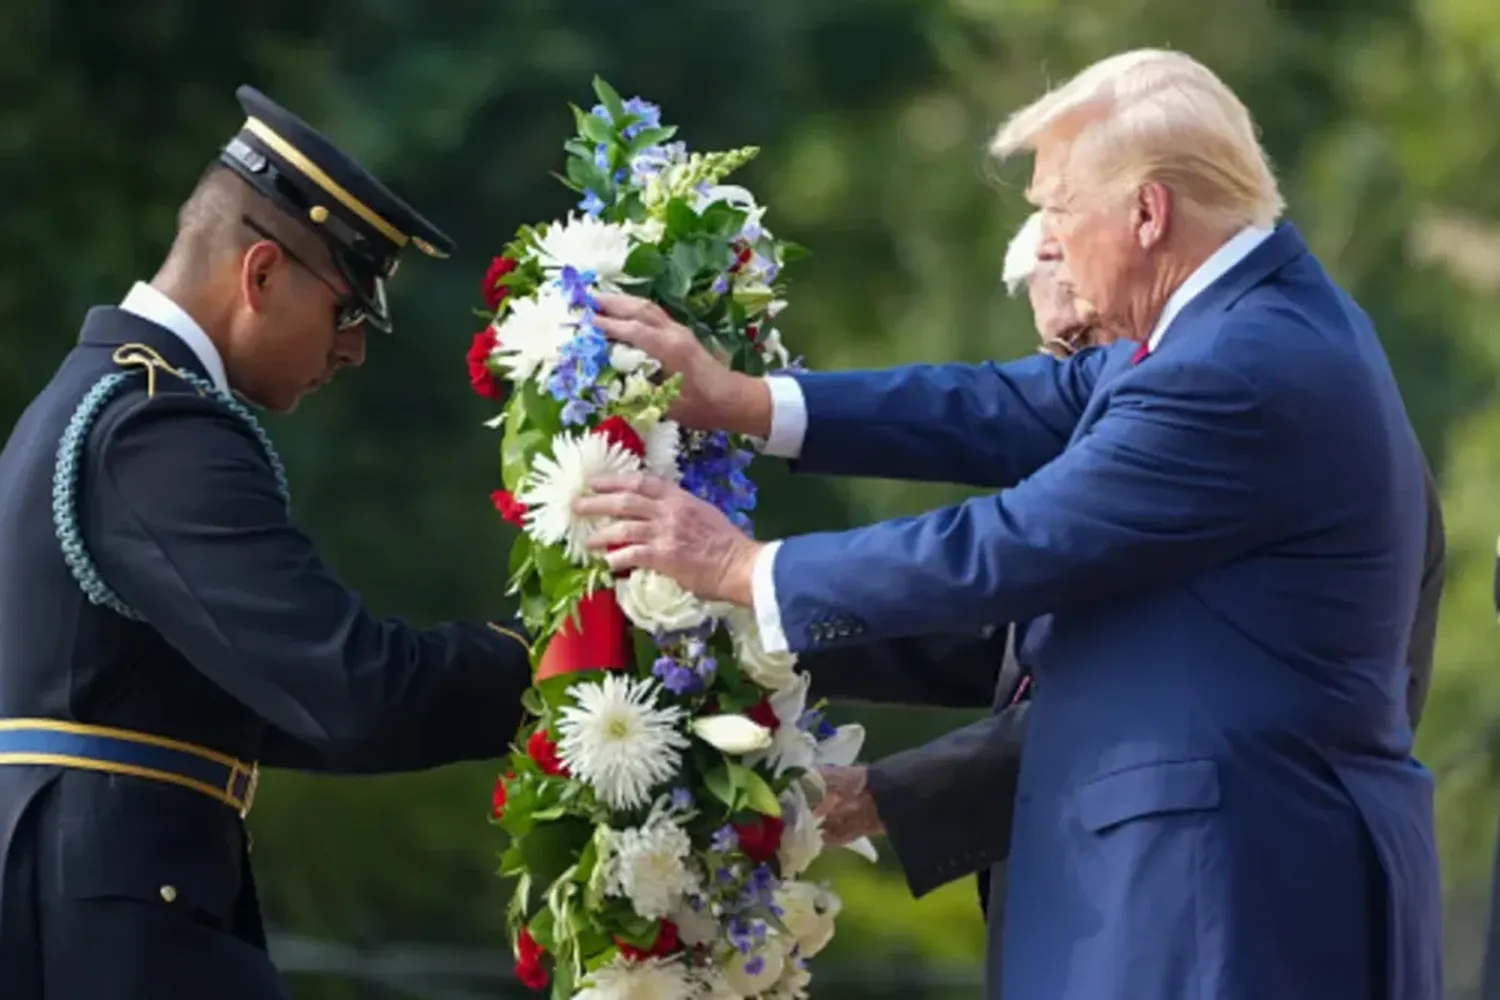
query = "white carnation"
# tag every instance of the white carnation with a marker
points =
(557, 481)
(657, 603)
(649, 866)
(769, 670)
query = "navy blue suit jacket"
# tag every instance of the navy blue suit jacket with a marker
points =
(1223, 546)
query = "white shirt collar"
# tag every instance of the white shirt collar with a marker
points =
(155, 306)
(1218, 264)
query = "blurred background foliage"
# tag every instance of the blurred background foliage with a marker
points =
(873, 117)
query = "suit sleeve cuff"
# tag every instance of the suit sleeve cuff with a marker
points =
(788, 418)
(763, 600)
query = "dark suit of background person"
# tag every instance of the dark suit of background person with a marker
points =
(166, 629)
(947, 805)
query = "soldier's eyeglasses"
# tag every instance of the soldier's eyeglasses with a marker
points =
(349, 312)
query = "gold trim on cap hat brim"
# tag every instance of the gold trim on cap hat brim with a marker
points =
(316, 174)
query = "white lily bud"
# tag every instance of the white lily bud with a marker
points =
(733, 734)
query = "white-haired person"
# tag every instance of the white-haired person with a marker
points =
(1215, 528)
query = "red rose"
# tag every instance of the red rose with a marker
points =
(544, 752)
(494, 292)
(763, 713)
(666, 942)
(617, 430)
(509, 507)
(741, 258)
(497, 800)
(760, 837)
(480, 377)
(529, 968)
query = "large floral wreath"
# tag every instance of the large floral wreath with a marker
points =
(659, 807)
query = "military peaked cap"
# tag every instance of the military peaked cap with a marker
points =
(364, 223)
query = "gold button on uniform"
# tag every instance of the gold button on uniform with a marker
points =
(169, 893)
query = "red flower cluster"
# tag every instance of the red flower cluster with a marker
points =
(497, 799)
(542, 750)
(494, 292)
(617, 430)
(666, 942)
(511, 509)
(480, 377)
(760, 837)
(529, 968)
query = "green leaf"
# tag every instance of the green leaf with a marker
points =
(759, 795)
(681, 220)
(554, 690)
(542, 928)
(647, 137)
(645, 261)
(511, 862)
(609, 98)
(552, 848)
(719, 784)
(531, 702)
(792, 252)
(596, 129)
(563, 986)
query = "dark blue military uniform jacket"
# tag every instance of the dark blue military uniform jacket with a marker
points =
(159, 586)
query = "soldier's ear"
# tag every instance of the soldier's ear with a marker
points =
(258, 273)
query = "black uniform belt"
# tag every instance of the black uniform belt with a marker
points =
(53, 743)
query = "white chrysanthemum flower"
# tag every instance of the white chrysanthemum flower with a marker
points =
(663, 439)
(587, 244)
(556, 481)
(616, 739)
(802, 836)
(651, 979)
(769, 670)
(530, 339)
(649, 866)
(809, 912)
(791, 746)
(657, 603)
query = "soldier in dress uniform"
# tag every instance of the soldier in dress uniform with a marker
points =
(166, 630)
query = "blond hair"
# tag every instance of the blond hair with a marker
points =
(1158, 115)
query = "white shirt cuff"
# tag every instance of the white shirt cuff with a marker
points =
(763, 600)
(788, 418)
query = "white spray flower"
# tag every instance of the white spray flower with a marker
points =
(558, 480)
(616, 738)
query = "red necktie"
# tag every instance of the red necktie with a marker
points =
(1143, 349)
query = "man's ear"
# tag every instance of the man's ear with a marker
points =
(1152, 214)
(258, 272)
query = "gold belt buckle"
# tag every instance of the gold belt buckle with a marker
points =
(250, 789)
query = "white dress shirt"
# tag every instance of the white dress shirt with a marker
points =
(155, 306)
(789, 418)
